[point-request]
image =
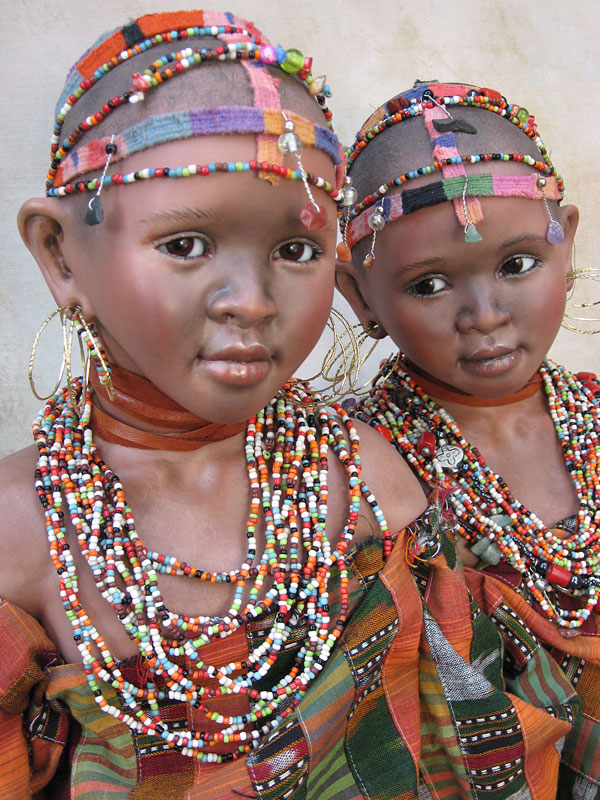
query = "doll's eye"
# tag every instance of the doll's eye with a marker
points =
(519, 265)
(188, 246)
(297, 251)
(426, 287)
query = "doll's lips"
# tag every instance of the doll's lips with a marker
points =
(491, 361)
(238, 365)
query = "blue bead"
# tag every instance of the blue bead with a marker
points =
(281, 53)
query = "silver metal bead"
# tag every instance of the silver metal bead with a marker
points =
(377, 220)
(349, 195)
(290, 142)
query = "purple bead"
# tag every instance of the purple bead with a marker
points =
(555, 233)
(268, 54)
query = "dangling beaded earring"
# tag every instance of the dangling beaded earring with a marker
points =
(471, 232)
(312, 215)
(94, 351)
(376, 223)
(555, 233)
(95, 213)
(349, 198)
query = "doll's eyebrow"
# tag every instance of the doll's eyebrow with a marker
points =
(434, 261)
(185, 214)
(526, 237)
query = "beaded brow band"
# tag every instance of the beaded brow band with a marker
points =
(406, 108)
(158, 129)
(195, 122)
(411, 200)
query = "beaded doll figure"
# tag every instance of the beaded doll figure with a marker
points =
(457, 247)
(187, 237)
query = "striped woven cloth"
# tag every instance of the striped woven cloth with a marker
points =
(501, 591)
(414, 703)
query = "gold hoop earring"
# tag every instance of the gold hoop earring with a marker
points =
(370, 334)
(583, 273)
(72, 321)
(36, 340)
(341, 363)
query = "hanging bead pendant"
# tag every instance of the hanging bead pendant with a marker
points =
(313, 217)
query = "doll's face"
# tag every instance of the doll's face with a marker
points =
(210, 287)
(478, 316)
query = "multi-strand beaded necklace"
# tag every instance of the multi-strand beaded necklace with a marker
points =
(293, 434)
(488, 516)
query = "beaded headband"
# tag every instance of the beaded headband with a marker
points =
(275, 129)
(431, 101)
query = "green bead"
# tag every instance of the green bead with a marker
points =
(523, 115)
(293, 61)
(472, 234)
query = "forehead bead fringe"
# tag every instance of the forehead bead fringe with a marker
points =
(294, 434)
(229, 167)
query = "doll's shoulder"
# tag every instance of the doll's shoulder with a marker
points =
(23, 543)
(389, 479)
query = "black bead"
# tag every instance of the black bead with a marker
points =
(94, 213)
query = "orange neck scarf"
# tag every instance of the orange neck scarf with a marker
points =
(174, 427)
(444, 391)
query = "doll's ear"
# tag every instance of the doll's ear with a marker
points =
(569, 217)
(349, 284)
(44, 226)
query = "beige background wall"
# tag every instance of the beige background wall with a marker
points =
(543, 55)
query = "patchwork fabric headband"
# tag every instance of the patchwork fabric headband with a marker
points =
(278, 132)
(432, 101)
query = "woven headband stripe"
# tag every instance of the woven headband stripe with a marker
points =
(484, 185)
(196, 122)
(178, 23)
(446, 147)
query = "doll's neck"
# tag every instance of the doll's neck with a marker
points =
(448, 394)
(143, 417)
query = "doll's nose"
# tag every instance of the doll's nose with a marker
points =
(483, 312)
(244, 299)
